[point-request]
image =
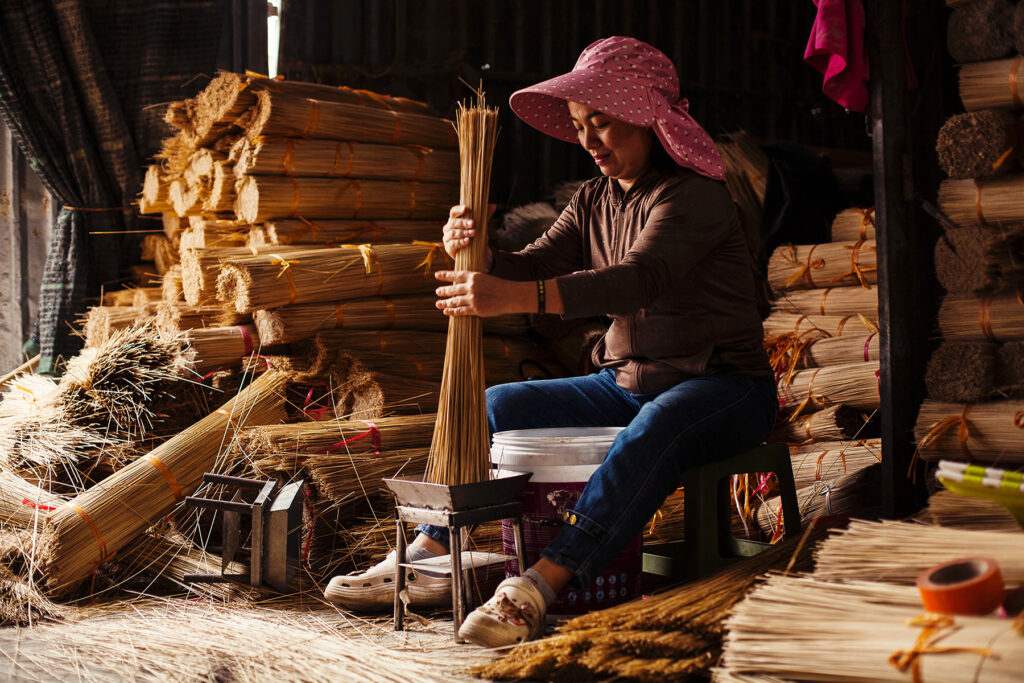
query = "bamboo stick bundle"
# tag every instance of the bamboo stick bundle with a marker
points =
(850, 348)
(173, 319)
(369, 394)
(752, 160)
(342, 94)
(22, 503)
(993, 318)
(675, 635)
(171, 223)
(119, 297)
(853, 384)
(207, 233)
(279, 115)
(284, 447)
(200, 269)
(991, 84)
(1009, 371)
(201, 164)
(832, 301)
(327, 274)
(21, 601)
(988, 431)
(813, 266)
(219, 347)
(459, 450)
(343, 476)
(344, 159)
(826, 460)
(218, 194)
(781, 323)
(85, 531)
(981, 30)
(743, 196)
(184, 198)
(171, 291)
(979, 144)
(863, 551)
(667, 523)
(301, 231)
(155, 186)
(847, 494)
(961, 371)
(832, 423)
(882, 626)
(949, 509)
(984, 203)
(102, 321)
(161, 250)
(854, 224)
(175, 153)
(146, 298)
(260, 198)
(294, 323)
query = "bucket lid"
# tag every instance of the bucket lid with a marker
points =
(572, 433)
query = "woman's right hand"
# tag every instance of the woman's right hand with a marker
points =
(459, 232)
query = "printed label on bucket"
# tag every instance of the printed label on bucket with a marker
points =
(544, 508)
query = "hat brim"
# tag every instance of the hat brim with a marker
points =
(545, 105)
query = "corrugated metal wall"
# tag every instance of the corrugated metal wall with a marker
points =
(740, 63)
(26, 215)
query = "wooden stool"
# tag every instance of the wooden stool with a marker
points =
(708, 543)
(455, 521)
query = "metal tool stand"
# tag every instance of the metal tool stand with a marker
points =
(453, 507)
(276, 516)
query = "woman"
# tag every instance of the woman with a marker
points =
(656, 244)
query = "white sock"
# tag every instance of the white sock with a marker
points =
(542, 585)
(415, 553)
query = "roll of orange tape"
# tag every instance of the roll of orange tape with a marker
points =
(970, 585)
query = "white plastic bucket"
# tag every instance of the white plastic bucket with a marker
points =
(562, 461)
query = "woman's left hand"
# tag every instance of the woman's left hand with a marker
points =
(479, 294)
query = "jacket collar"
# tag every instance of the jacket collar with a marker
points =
(647, 179)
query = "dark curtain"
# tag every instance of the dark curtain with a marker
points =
(81, 87)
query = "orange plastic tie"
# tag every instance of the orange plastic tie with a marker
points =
(369, 259)
(390, 305)
(867, 217)
(289, 156)
(985, 319)
(939, 429)
(100, 543)
(1014, 68)
(428, 261)
(1002, 157)
(286, 270)
(421, 154)
(382, 341)
(855, 267)
(822, 303)
(977, 203)
(339, 316)
(932, 627)
(412, 198)
(168, 476)
(351, 159)
(805, 268)
(337, 159)
(314, 119)
(1018, 419)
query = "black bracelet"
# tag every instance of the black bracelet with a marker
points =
(540, 297)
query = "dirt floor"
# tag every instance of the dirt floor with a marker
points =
(179, 640)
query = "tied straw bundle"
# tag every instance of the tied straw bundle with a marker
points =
(949, 509)
(979, 144)
(991, 318)
(980, 30)
(813, 266)
(813, 326)
(993, 85)
(344, 159)
(840, 301)
(834, 423)
(459, 450)
(218, 347)
(854, 224)
(986, 203)
(351, 271)
(854, 384)
(845, 494)
(883, 635)
(990, 431)
(334, 232)
(88, 530)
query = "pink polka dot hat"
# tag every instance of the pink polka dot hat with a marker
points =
(628, 80)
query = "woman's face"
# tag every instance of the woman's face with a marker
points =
(621, 150)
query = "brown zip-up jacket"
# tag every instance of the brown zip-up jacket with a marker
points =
(668, 263)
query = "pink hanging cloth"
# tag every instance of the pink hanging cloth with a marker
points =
(836, 49)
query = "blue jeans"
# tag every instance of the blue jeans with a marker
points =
(697, 421)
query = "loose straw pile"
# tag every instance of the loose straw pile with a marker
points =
(83, 533)
(459, 450)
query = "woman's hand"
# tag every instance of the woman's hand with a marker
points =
(459, 231)
(480, 294)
